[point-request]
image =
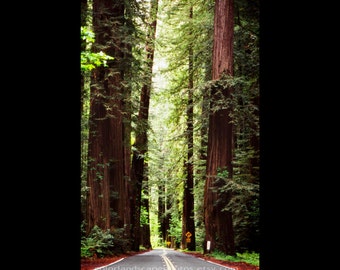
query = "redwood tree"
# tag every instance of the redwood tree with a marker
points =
(188, 221)
(83, 16)
(218, 223)
(107, 204)
(140, 146)
(164, 205)
(145, 240)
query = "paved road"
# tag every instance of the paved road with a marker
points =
(163, 259)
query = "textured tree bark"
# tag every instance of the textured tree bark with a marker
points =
(141, 144)
(83, 16)
(164, 205)
(98, 197)
(188, 221)
(218, 223)
(145, 234)
(107, 192)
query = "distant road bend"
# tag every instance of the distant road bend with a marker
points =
(163, 259)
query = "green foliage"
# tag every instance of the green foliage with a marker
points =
(243, 202)
(199, 213)
(176, 227)
(167, 149)
(98, 242)
(239, 194)
(248, 257)
(103, 243)
(144, 216)
(90, 60)
(142, 248)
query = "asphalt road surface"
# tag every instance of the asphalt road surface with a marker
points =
(163, 259)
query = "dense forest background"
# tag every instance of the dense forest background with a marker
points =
(170, 125)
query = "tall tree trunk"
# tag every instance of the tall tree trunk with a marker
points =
(161, 211)
(141, 144)
(98, 202)
(106, 152)
(203, 135)
(83, 16)
(218, 223)
(164, 205)
(115, 106)
(255, 143)
(188, 221)
(127, 105)
(163, 216)
(84, 142)
(98, 207)
(145, 233)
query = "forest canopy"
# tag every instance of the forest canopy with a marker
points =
(169, 125)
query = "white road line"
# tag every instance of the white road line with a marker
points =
(229, 268)
(168, 263)
(108, 264)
